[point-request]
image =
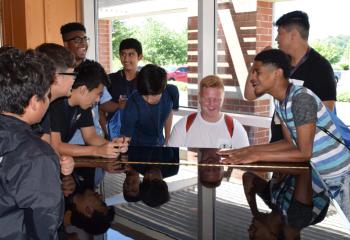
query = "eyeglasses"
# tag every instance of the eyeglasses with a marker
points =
(73, 74)
(78, 40)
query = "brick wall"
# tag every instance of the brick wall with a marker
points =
(249, 26)
(263, 25)
(104, 44)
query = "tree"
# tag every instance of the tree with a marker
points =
(120, 32)
(163, 46)
(330, 51)
(333, 48)
(160, 45)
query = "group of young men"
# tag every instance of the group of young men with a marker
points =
(30, 169)
(43, 102)
(302, 131)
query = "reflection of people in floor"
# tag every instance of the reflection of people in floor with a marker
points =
(85, 208)
(153, 190)
(268, 226)
(307, 128)
(210, 176)
(131, 185)
(291, 199)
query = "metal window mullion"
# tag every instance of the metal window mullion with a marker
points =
(207, 59)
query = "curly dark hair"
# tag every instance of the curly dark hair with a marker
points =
(130, 198)
(90, 74)
(72, 26)
(277, 58)
(97, 224)
(6, 48)
(22, 76)
(154, 193)
(61, 56)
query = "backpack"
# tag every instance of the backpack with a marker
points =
(228, 121)
(341, 127)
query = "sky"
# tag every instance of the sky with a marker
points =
(327, 17)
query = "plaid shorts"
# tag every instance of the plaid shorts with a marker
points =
(278, 194)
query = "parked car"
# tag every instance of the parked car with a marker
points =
(177, 73)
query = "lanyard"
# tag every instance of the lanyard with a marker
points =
(285, 101)
(302, 60)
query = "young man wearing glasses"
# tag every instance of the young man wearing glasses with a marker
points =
(75, 40)
(61, 86)
(73, 113)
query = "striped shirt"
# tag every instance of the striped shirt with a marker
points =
(330, 159)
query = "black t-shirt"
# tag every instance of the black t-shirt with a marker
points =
(318, 76)
(155, 154)
(43, 127)
(66, 119)
(120, 85)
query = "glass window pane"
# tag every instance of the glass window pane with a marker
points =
(244, 28)
(167, 31)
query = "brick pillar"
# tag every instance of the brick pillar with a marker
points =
(263, 25)
(263, 39)
(105, 44)
(192, 59)
(254, 31)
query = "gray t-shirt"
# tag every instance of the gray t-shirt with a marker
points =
(304, 108)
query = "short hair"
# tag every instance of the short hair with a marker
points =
(72, 26)
(276, 58)
(151, 80)
(207, 183)
(210, 184)
(60, 55)
(130, 198)
(97, 224)
(298, 19)
(90, 74)
(154, 193)
(211, 81)
(49, 67)
(131, 43)
(22, 76)
(5, 48)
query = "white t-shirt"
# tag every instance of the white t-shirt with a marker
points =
(203, 134)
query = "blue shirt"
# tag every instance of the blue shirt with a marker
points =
(144, 122)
